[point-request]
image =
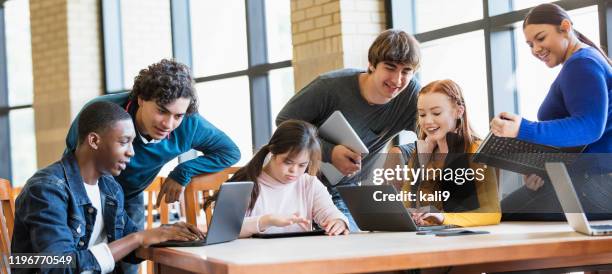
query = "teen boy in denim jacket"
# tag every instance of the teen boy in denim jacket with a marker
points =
(74, 207)
(163, 105)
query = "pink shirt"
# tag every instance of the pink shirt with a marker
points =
(307, 196)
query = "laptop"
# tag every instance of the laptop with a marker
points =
(337, 130)
(570, 203)
(230, 208)
(372, 215)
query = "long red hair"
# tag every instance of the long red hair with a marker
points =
(453, 91)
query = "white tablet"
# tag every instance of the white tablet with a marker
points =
(337, 130)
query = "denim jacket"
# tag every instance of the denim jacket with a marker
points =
(53, 215)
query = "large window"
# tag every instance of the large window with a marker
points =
(146, 36)
(136, 34)
(484, 50)
(534, 77)
(281, 90)
(523, 4)
(244, 69)
(225, 103)
(240, 53)
(17, 112)
(447, 58)
(218, 49)
(278, 26)
(435, 14)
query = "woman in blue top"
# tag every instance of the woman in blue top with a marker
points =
(575, 112)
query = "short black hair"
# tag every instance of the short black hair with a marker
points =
(99, 116)
(164, 82)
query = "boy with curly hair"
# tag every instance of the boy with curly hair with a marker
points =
(163, 105)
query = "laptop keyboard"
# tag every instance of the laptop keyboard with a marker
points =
(520, 156)
(173, 243)
(602, 227)
(433, 227)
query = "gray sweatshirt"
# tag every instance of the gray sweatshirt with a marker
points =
(375, 124)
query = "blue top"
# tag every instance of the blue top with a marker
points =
(54, 215)
(194, 132)
(576, 110)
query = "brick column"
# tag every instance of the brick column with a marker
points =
(332, 34)
(67, 68)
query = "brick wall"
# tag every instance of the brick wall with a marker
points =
(362, 21)
(66, 66)
(67, 59)
(85, 52)
(332, 34)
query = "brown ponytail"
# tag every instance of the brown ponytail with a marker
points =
(588, 41)
(292, 136)
(251, 171)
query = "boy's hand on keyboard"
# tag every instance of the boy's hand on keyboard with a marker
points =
(178, 232)
(533, 182)
(506, 125)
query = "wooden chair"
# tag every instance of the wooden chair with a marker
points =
(151, 191)
(15, 192)
(7, 220)
(207, 184)
(5, 245)
(8, 204)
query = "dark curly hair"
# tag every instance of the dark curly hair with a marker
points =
(165, 82)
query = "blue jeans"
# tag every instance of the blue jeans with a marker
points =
(135, 209)
(344, 209)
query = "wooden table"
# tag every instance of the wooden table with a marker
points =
(509, 246)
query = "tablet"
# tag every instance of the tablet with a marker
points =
(315, 232)
(337, 130)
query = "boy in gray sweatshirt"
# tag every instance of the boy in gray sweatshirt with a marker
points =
(378, 103)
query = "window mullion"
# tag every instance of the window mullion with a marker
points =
(258, 83)
(5, 136)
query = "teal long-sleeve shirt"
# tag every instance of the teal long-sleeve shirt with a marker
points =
(194, 132)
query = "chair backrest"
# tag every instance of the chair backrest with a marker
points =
(152, 190)
(207, 184)
(7, 220)
(5, 244)
(8, 204)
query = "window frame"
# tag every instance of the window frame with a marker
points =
(6, 170)
(498, 31)
(258, 65)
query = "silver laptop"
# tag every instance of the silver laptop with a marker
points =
(570, 203)
(230, 208)
(337, 130)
